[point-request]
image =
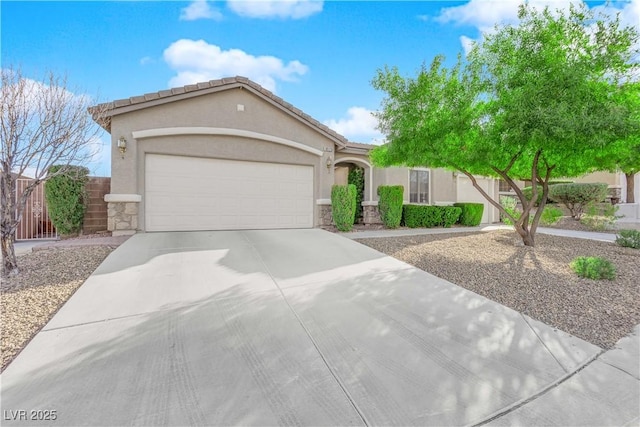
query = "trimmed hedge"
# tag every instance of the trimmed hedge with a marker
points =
(428, 216)
(577, 196)
(390, 204)
(66, 198)
(450, 215)
(343, 206)
(356, 177)
(471, 213)
(527, 191)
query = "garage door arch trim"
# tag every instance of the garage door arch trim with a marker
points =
(174, 131)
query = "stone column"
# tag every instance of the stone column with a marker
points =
(122, 213)
(325, 217)
(370, 213)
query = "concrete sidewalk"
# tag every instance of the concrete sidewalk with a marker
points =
(369, 234)
(612, 379)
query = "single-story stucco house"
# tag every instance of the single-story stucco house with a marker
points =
(229, 154)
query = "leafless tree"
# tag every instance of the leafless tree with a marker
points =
(42, 124)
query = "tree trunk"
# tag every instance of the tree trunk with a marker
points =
(8, 223)
(9, 260)
(630, 187)
(528, 238)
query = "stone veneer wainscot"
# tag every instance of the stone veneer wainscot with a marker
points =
(122, 213)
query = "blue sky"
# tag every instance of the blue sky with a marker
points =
(319, 56)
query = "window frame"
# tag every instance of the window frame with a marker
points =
(429, 187)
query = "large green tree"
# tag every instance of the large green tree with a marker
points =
(624, 155)
(530, 101)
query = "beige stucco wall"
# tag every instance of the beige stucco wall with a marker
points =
(604, 177)
(442, 185)
(217, 110)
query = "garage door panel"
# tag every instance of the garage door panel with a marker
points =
(187, 193)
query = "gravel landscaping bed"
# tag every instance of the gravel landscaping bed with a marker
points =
(47, 279)
(534, 281)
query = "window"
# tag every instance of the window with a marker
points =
(418, 186)
(504, 186)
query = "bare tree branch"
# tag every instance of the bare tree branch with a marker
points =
(43, 124)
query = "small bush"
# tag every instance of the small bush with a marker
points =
(471, 215)
(509, 203)
(628, 239)
(390, 204)
(550, 215)
(599, 217)
(577, 196)
(528, 191)
(343, 206)
(450, 215)
(595, 268)
(66, 198)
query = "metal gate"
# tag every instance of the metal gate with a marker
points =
(35, 223)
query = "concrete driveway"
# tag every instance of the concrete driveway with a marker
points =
(287, 327)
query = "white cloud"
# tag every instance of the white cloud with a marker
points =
(467, 44)
(359, 125)
(198, 61)
(200, 9)
(629, 11)
(266, 9)
(485, 14)
(146, 60)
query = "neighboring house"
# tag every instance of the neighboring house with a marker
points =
(229, 154)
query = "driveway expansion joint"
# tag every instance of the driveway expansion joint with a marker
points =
(508, 409)
(543, 343)
(315, 345)
(129, 316)
(620, 369)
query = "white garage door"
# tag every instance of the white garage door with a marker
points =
(190, 193)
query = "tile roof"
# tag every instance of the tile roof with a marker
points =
(102, 113)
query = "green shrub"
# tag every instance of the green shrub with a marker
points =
(66, 198)
(528, 191)
(593, 268)
(471, 213)
(390, 204)
(550, 215)
(356, 177)
(628, 238)
(577, 196)
(599, 217)
(343, 206)
(421, 216)
(509, 203)
(450, 215)
(429, 216)
(413, 216)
